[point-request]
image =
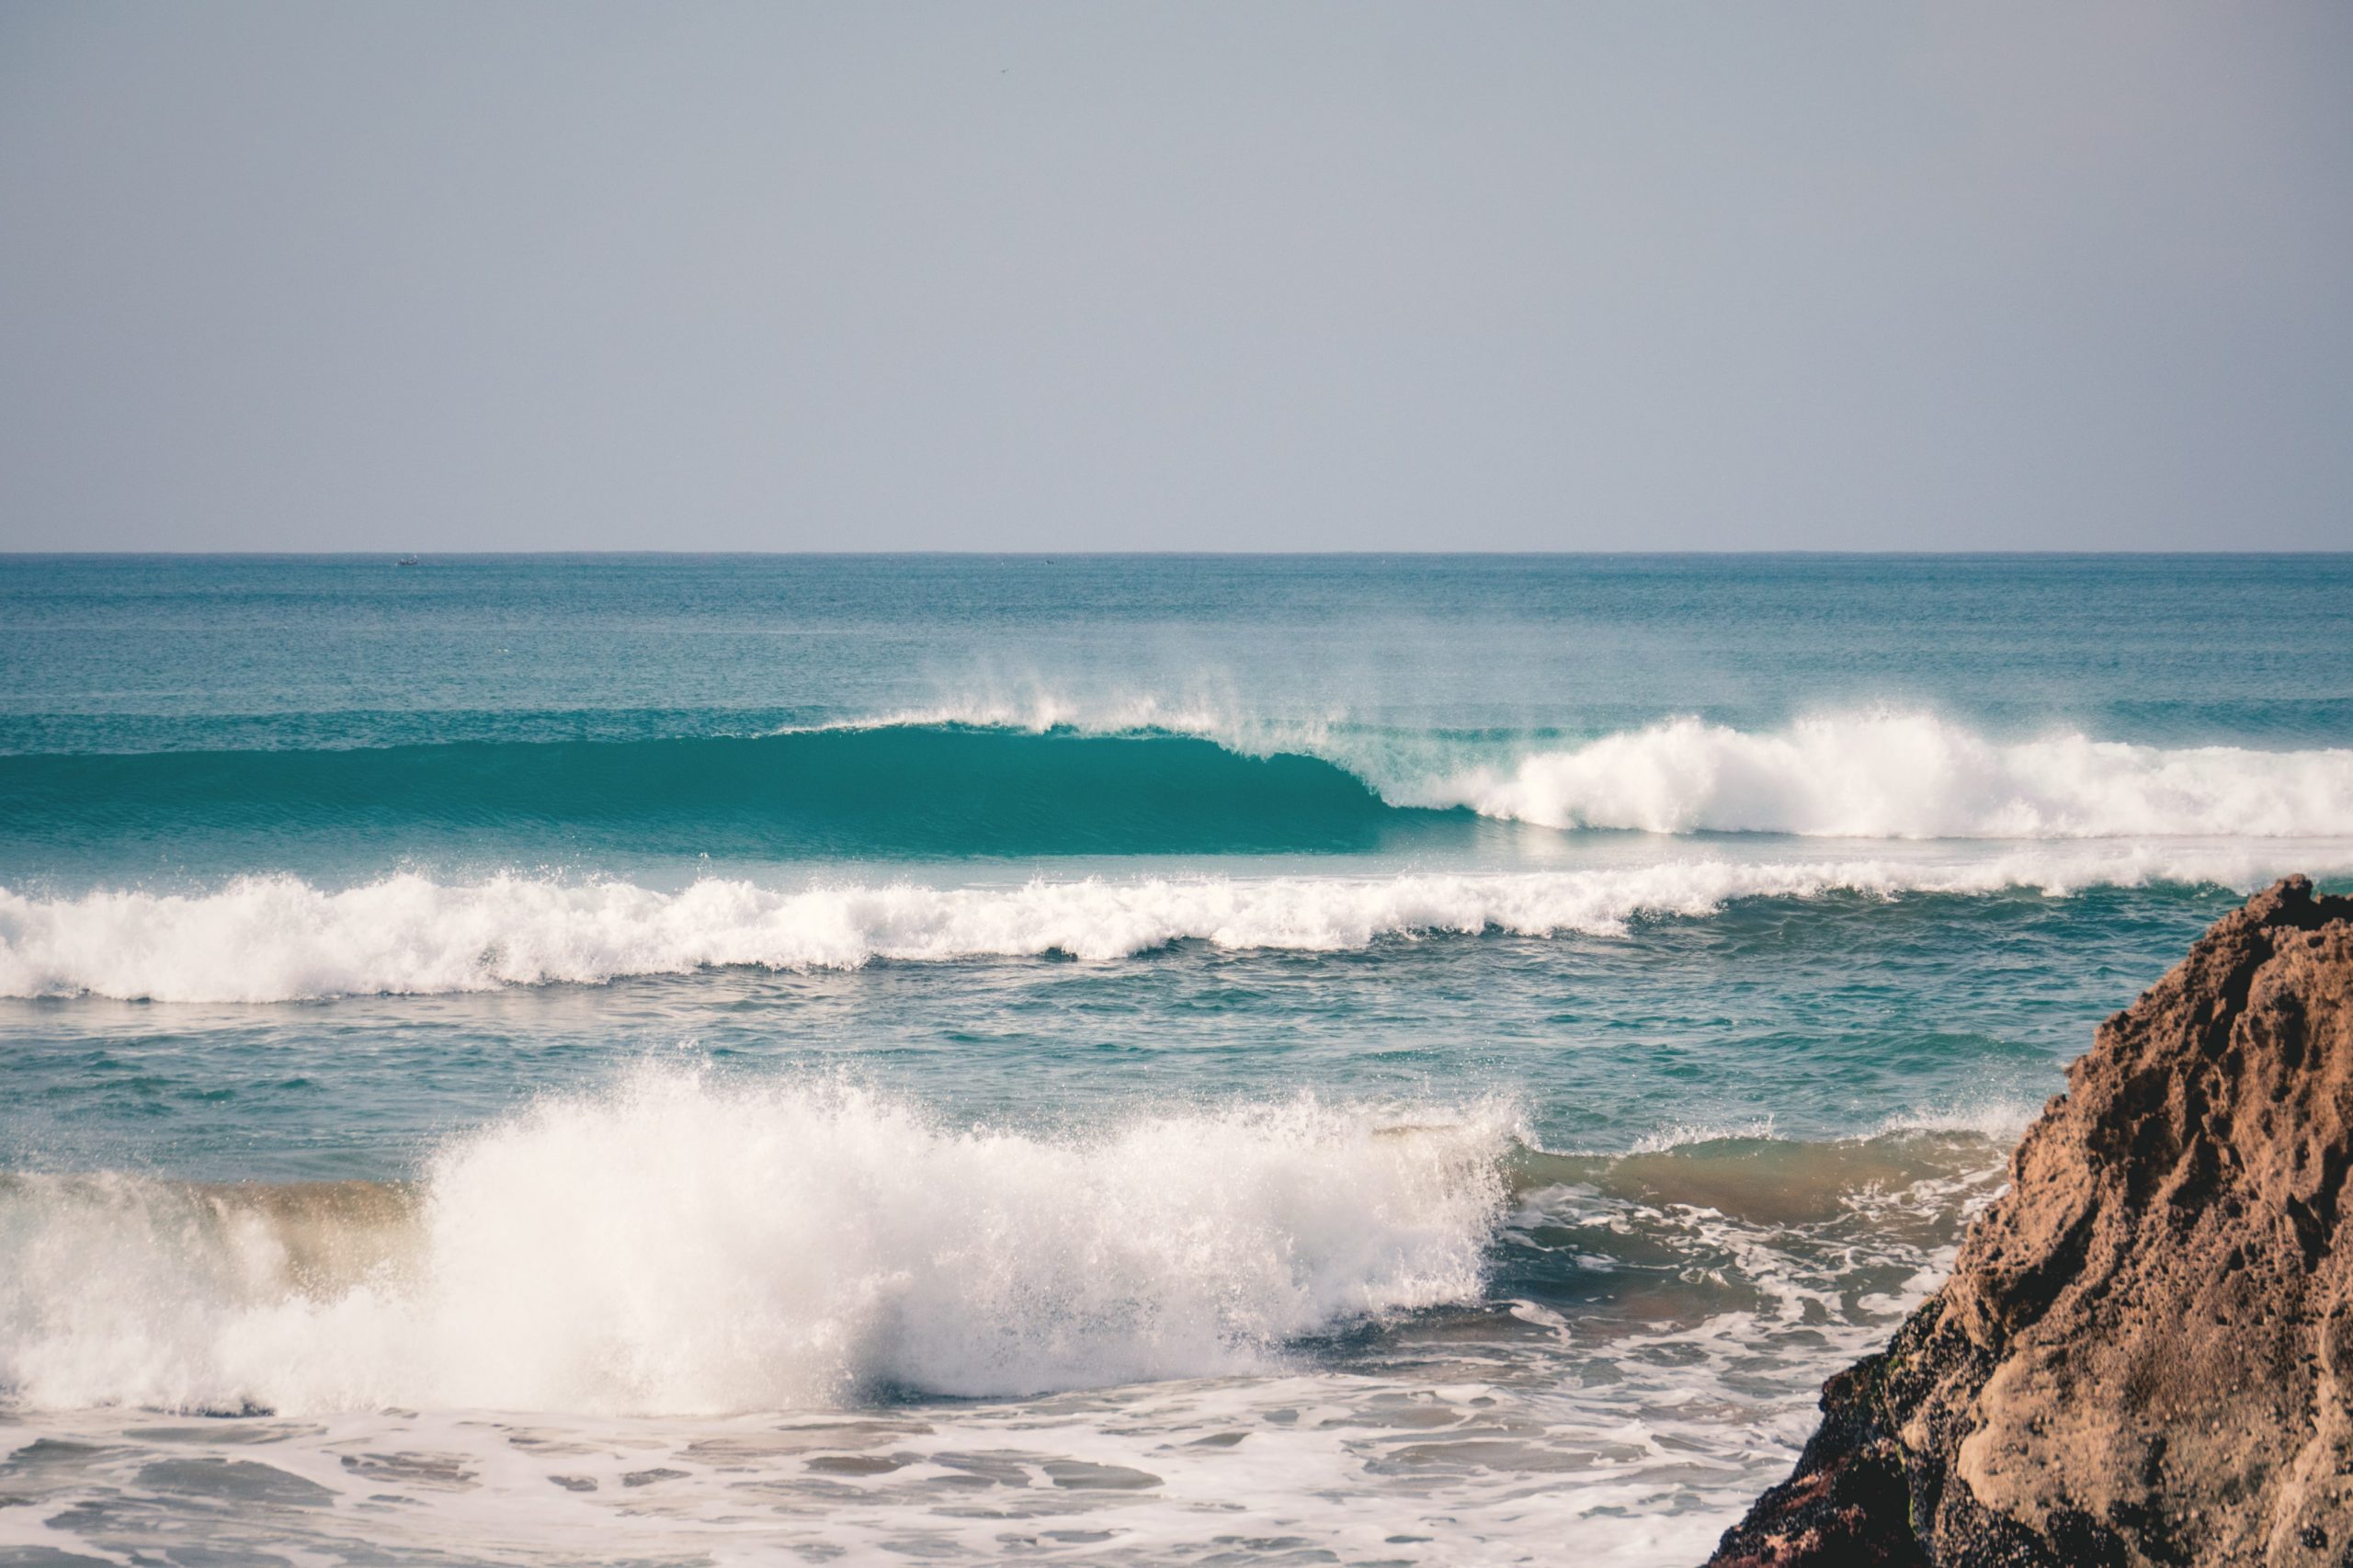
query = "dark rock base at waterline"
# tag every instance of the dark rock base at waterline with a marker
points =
(2144, 1355)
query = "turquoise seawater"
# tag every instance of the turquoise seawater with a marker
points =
(1138, 1059)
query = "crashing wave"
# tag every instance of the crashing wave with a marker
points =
(1909, 775)
(279, 938)
(994, 784)
(1868, 774)
(675, 1247)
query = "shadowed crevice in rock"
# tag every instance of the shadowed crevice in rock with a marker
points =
(2145, 1352)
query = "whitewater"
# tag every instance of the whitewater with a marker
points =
(1872, 774)
(279, 938)
(1141, 1061)
(671, 1248)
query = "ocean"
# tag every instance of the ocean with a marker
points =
(1165, 1060)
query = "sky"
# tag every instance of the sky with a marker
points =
(1208, 275)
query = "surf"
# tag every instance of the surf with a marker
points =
(674, 1245)
(679, 1242)
(939, 787)
(1909, 775)
(281, 938)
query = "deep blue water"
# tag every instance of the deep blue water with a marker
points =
(127, 653)
(824, 987)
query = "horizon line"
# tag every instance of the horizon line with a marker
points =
(396, 554)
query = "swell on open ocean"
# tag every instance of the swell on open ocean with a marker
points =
(1138, 1061)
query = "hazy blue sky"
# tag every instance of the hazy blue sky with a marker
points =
(1119, 275)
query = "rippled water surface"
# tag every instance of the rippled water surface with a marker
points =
(1141, 1061)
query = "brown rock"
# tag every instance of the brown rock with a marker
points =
(2145, 1352)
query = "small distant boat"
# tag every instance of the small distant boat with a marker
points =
(405, 561)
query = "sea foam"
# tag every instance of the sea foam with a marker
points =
(279, 938)
(1906, 776)
(676, 1246)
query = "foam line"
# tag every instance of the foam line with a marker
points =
(279, 938)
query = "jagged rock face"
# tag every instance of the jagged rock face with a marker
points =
(2145, 1352)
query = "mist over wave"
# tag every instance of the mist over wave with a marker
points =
(676, 1246)
(279, 938)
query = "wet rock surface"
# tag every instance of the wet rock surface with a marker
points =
(2145, 1352)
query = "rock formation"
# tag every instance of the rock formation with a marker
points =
(2145, 1352)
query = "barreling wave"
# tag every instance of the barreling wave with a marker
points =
(934, 786)
(1870, 774)
(941, 791)
(676, 1246)
(279, 938)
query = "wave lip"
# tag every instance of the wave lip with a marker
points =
(677, 1248)
(856, 791)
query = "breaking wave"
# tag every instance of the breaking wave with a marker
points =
(675, 1247)
(1868, 774)
(1910, 776)
(279, 938)
(1185, 783)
